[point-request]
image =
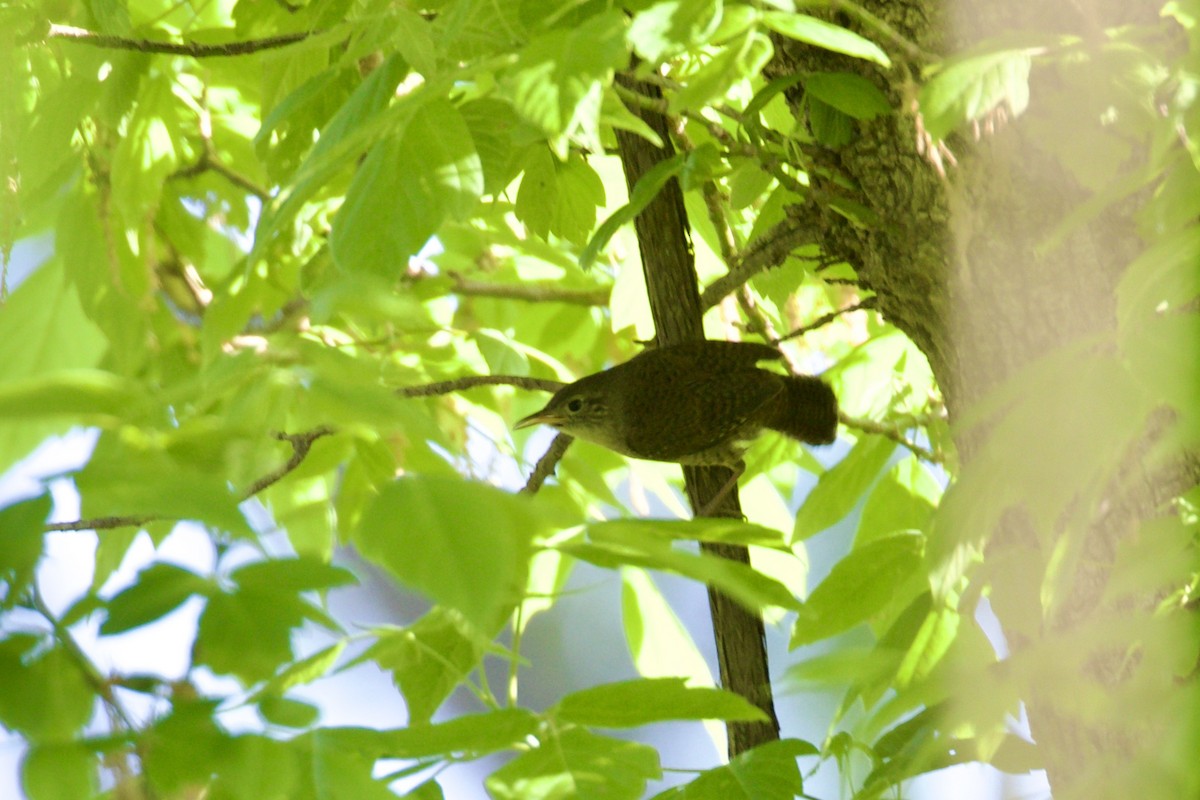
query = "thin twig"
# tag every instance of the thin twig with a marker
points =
(194, 49)
(210, 163)
(471, 381)
(546, 464)
(890, 432)
(769, 250)
(822, 321)
(301, 443)
(532, 293)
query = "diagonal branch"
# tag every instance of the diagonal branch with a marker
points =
(546, 464)
(301, 444)
(194, 49)
(471, 381)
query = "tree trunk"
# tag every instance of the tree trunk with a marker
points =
(962, 265)
(673, 288)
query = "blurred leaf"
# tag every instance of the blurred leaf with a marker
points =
(428, 659)
(640, 702)
(576, 763)
(59, 771)
(646, 189)
(840, 489)
(286, 712)
(291, 575)
(811, 30)
(407, 186)
(858, 586)
(671, 26)
(463, 544)
(969, 88)
(737, 60)
(43, 330)
(158, 590)
(46, 697)
(749, 587)
(128, 475)
(24, 539)
(850, 94)
(558, 80)
(469, 734)
(702, 529)
(767, 772)
(658, 642)
(903, 499)
(247, 632)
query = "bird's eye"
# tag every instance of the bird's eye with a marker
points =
(575, 405)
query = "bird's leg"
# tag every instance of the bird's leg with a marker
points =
(715, 503)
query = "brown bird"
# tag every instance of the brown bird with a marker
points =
(698, 403)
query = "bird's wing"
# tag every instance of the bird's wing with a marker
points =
(690, 415)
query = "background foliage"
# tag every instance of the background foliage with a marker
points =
(267, 223)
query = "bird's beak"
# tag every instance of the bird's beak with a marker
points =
(542, 417)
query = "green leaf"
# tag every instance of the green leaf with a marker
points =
(841, 488)
(148, 152)
(59, 771)
(670, 27)
(159, 590)
(851, 94)
(292, 575)
(701, 529)
(471, 735)
(811, 30)
(646, 189)
(248, 632)
(287, 713)
(831, 127)
(89, 395)
(409, 184)
(859, 585)
(184, 747)
(738, 60)
(43, 330)
(559, 78)
(903, 499)
(967, 90)
(24, 539)
(493, 125)
(129, 475)
(640, 702)
(46, 697)
(767, 772)
(741, 582)
(658, 642)
(577, 764)
(428, 659)
(464, 544)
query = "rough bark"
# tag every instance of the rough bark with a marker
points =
(959, 264)
(671, 282)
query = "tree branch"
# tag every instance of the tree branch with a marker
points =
(822, 321)
(471, 381)
(301, 443)
(770, 250)
(546, 464)
(890, 432)
(532, 293)
(194, 49)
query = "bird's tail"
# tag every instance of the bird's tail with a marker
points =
(807, 411)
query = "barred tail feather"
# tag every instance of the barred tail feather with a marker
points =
(807, 411)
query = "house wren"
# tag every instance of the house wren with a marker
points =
(696, 403)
